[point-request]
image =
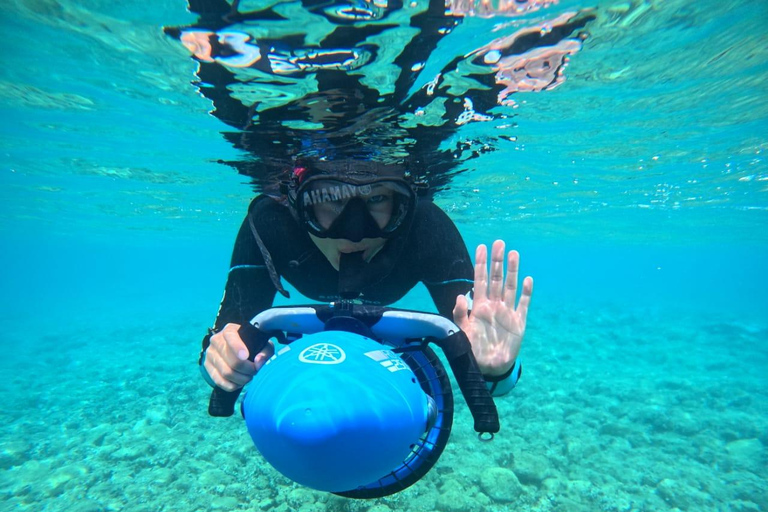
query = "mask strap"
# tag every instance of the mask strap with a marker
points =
(267, 259)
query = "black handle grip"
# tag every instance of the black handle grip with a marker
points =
(222, 403)
(458, 351)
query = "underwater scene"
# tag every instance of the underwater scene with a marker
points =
(619, 146)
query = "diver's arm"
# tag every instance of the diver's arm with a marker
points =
(443, 262)
(249, 291)
(494, 327)
(224, 357)
(445, 295)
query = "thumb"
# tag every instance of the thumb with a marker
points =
(235, 343)
(460, 311)
(237, 352)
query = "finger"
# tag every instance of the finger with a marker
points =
(460, 312)
(481, 274)
(220, 369)
(497, 270)
(231, 374)
(219, 363)
(216, 376)
(510, 285)
(525, 299)
(263, 356)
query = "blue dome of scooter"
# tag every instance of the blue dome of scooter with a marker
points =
(336, 411)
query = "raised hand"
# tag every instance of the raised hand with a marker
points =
(495, 327)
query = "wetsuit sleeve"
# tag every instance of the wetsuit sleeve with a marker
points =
(249, 289)
(447, 270)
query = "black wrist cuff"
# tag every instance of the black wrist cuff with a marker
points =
(503, 376)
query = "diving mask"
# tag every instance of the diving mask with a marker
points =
(353, 208)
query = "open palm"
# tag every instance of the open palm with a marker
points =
(495, 328)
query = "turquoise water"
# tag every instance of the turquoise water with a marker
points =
(635, 191)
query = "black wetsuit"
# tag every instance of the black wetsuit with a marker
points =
(433, 252)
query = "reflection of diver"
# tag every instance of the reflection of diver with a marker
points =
(292, 92)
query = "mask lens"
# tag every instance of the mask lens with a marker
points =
(323, 201)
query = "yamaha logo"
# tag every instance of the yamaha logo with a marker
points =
(322, 353)
(332, 193)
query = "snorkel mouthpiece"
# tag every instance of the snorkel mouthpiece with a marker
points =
(352, 274)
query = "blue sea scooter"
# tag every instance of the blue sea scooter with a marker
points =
(355, 401)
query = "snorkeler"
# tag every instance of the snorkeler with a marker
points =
(358, 231)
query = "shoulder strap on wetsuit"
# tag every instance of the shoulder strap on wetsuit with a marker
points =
(267, 259)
